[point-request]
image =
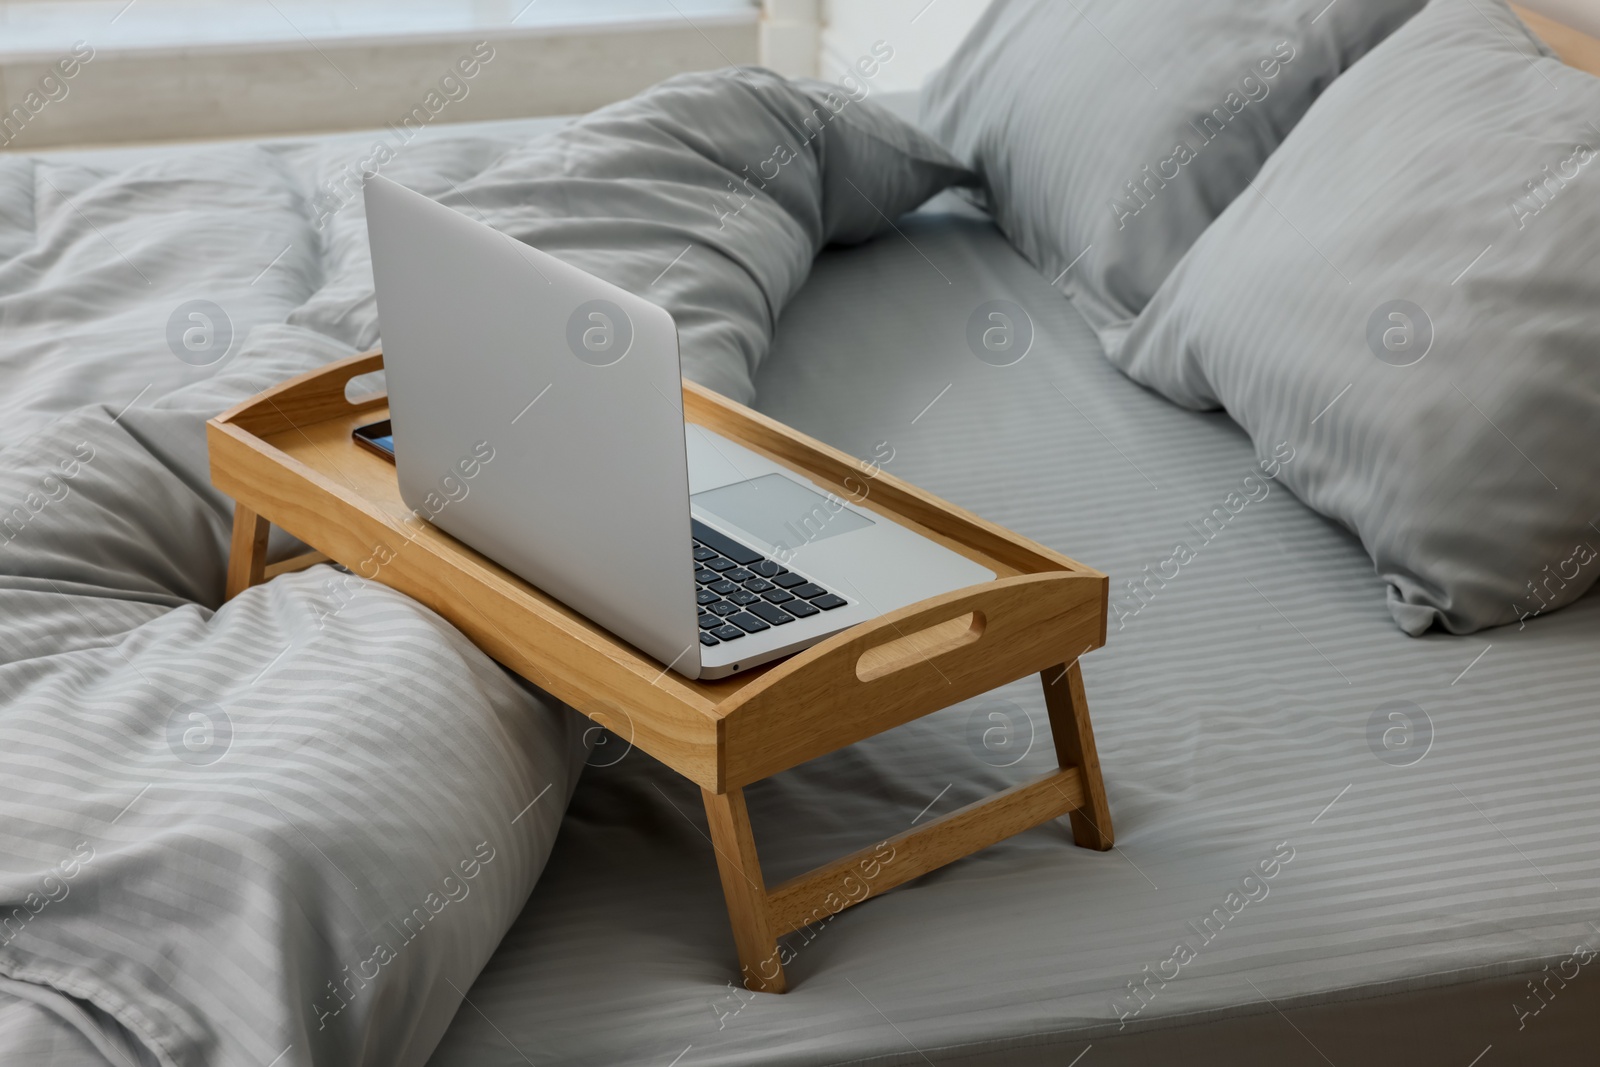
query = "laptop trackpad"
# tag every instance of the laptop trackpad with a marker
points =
(780, 511)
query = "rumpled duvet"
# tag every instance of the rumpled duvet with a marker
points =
(291, 828)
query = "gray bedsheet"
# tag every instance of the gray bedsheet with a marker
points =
(1426, 805)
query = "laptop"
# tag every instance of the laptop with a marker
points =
(537, 416)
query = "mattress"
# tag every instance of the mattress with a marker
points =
(1426, 868)
(1423, 805)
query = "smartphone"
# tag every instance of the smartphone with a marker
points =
(377, 438)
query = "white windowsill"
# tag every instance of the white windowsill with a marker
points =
(43, 30)
(163, 70)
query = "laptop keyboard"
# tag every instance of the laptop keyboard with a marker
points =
(740, 591)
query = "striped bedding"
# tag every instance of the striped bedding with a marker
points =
(1375, 849)
(1368, 845)
(284, 830)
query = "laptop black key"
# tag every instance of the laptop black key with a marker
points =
(723, 565)
(748, 622)
(723, 544)
(771, 613)
(707, 639)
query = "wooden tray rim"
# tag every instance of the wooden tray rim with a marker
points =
(319, 396)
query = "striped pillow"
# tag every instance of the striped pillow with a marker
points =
(1110, 133)
(1410, 298)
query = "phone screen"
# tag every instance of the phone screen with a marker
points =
(377, 437)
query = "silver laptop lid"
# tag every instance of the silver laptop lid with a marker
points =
(570, 385)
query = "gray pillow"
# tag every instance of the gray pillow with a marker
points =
(710, 194)
(1110, 133)
(1411, 300)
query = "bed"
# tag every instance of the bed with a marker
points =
(1421, 899)
(1381, 849)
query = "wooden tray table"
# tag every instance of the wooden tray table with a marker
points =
(286, 457)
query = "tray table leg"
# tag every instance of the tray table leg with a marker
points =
(1076, 789)
(745, 890)
(247, 554)
(1068, 708)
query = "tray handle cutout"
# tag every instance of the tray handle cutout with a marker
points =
(362, 389)
(315, 396)
(920, 646)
